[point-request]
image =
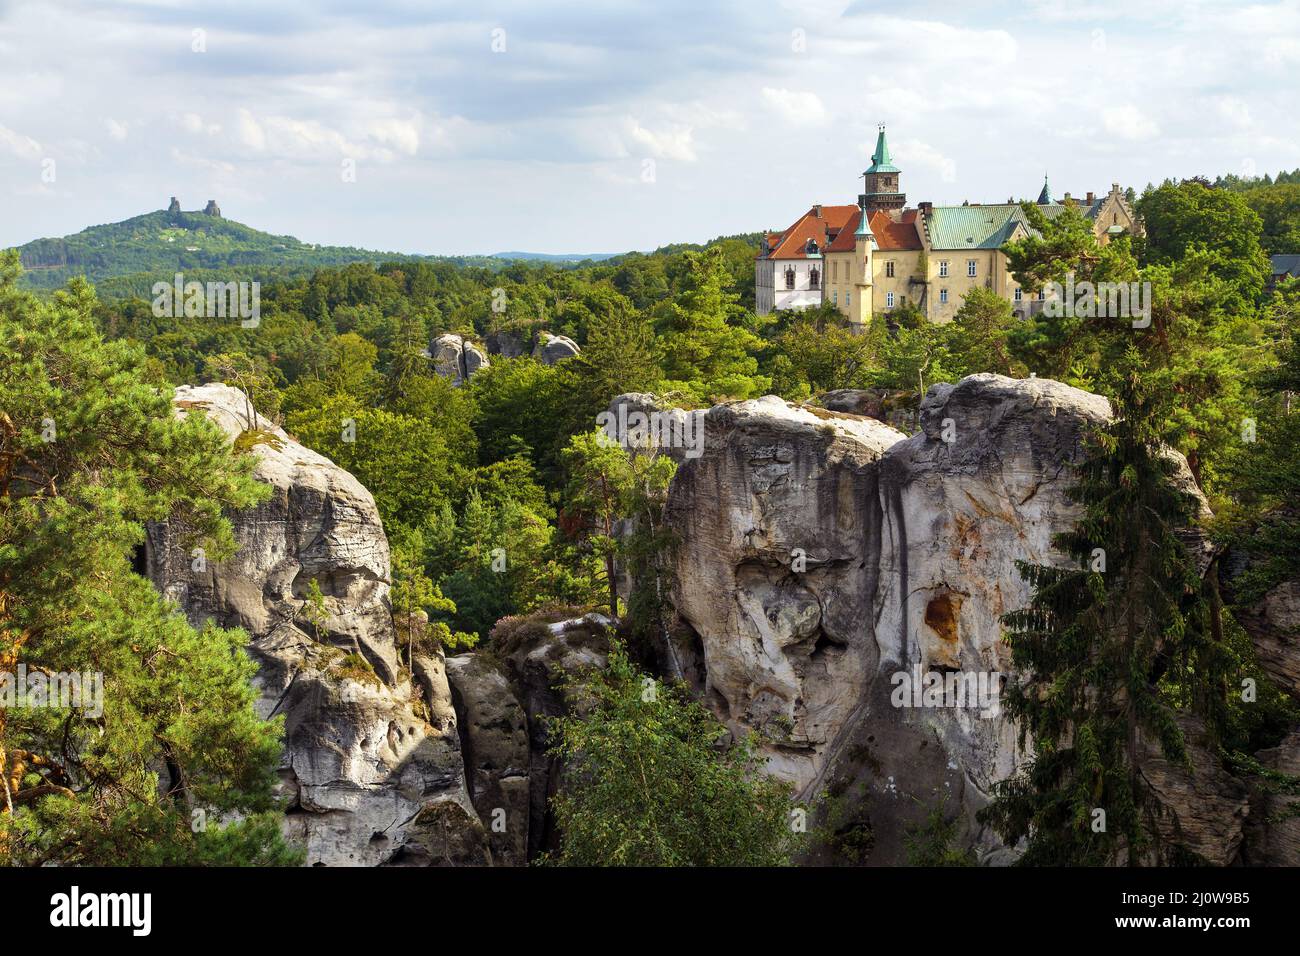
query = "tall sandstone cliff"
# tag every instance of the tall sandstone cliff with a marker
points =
(823, 555)
(372, 768)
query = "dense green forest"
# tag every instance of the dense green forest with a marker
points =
(509, 456)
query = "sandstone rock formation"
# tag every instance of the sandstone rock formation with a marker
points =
(495, 744)
(642, 420)
(1205, 808)
(554, 348)
(827, 563)
(506, 343)
(1273, 830)
(1273, 621)
(372, 766)
(456, 358)
(503, 697)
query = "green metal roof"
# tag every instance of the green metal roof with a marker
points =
(974, 227)
(987, 227)
(864, 230)
(880, 160)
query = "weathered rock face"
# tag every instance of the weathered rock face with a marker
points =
(1272, 833)
(506, 343)
(554, 348)
(642, 420)
(494, 740)
(827, 563)
(372, 765)
(775, 520)
(981, 486)
(531, 657)
(1273, 622)
(1205, 808)
(455, 358)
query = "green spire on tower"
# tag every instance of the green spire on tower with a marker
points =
(864, 229)
(1045, 197)
(880, 160)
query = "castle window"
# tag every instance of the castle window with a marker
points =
(889, 269)
(943, 268)
(1019, 294)
(943, 296)
(835, 298)
(970, 268)
(889, 300)
(848, 299)
(1042, 295)
(789, 277)
(813, 278)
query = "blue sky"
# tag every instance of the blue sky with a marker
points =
(599, 126)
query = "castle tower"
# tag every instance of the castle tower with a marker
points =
(864, 249)
(212, 209)
(881, 180)
(174, 206)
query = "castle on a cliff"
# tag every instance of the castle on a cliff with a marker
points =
(879, 255)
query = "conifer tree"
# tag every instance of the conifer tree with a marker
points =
(1111, 645)
(89, 452)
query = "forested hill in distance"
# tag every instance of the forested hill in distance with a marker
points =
(126, 258)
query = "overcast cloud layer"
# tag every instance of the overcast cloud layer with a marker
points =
(601, 127)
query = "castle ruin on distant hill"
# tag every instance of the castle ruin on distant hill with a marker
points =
(211, 209)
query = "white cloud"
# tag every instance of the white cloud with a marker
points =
(796, 107)
(1233, 109)
(670, 141)
(914, 152)
(194, 123)
(116, 130)
(402, 135)
(249, 131)
(1129, 122)
(184, 158)
(24, 147)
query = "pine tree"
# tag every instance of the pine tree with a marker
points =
(89, 452)
(705, 356)
(648, 781)
(1111, 646)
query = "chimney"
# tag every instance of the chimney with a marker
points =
(1092, 197)
(817, 210)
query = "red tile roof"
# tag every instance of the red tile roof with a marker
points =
(890, 236)
(832, 222)
(846, 241)
(901, 235)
